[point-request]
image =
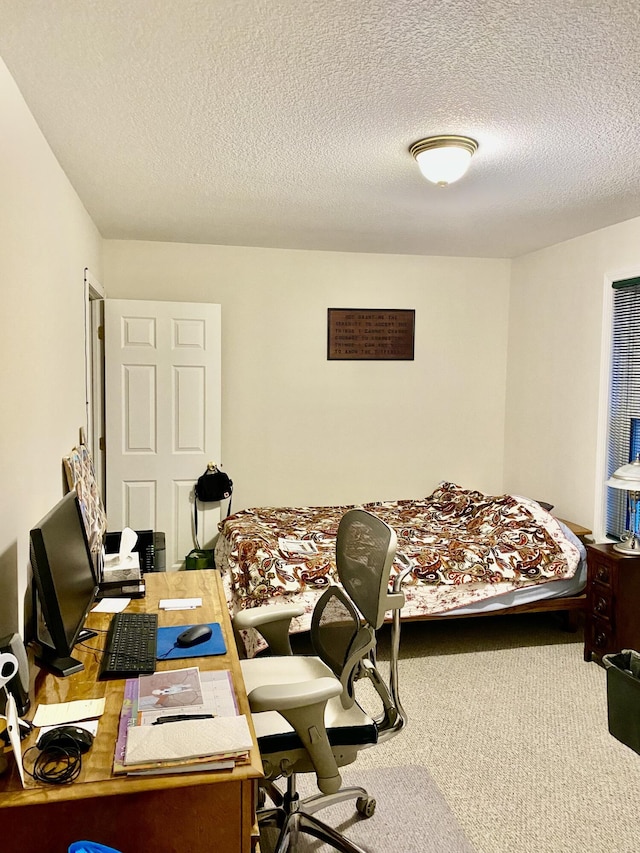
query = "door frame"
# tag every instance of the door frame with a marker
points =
(94, 296)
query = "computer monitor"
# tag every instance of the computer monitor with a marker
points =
(65, 585)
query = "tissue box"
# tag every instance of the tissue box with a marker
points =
(144, 547)
(112, 562)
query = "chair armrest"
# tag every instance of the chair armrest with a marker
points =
(283, 697)
(303, 705)
(254, 617)
(273, 622)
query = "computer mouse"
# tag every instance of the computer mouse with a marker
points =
(64, 737)
(193, 636)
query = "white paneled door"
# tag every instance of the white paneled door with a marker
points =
(162, 386)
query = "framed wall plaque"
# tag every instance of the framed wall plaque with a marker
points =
(379, 334)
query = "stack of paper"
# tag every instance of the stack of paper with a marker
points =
(188, 740)
(180, 721)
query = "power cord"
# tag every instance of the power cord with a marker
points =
(168, 652)
(56, 765)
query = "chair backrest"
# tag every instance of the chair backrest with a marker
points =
(342, 635)
(339, 639)
(365, 549)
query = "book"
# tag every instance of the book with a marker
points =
(128, 716)
(190, 767)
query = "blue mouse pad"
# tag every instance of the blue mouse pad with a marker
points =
(167, 637)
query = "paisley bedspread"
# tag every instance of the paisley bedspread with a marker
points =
(463, 546)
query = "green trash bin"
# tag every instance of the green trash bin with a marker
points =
(199, 558)
(623, 696)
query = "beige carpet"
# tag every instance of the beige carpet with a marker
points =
(411, 815)
(511, 723)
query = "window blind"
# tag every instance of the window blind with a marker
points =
(624, 405)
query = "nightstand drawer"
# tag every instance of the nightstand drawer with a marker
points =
(602, 573)
(602, 603)
(601, 637)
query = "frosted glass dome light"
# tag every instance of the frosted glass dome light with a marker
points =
(444, 159)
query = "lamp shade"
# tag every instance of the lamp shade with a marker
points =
(443, 159)
(626, 477)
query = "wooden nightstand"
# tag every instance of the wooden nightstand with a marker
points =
(613, 602)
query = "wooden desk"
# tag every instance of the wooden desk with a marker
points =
(182, 813)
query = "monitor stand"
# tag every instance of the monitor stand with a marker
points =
(48, 659)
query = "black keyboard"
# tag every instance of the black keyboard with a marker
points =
(131, 646)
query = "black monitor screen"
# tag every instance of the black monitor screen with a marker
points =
(64, 580)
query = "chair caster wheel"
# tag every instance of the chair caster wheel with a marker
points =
(366, 806)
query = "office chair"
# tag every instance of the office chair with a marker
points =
(304, 708)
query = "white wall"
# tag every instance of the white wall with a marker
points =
(299, 429)
(46, 241)
(554, 437)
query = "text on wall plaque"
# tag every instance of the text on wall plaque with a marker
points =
(371, 333)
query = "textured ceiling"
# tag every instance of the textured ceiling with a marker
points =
(287, 122)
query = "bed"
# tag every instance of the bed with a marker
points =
(471, 554)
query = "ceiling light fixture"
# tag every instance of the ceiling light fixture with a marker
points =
(444, 159)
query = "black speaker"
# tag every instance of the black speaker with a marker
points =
(19, 684)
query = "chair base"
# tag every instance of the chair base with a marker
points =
(293, 816)
(310, 825)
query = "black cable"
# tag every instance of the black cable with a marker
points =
(168, 652)
(56, 765)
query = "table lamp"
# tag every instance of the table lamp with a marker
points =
(627, 477)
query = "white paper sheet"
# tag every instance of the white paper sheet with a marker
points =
(180, 603)
(68, 712)
(111, 605)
